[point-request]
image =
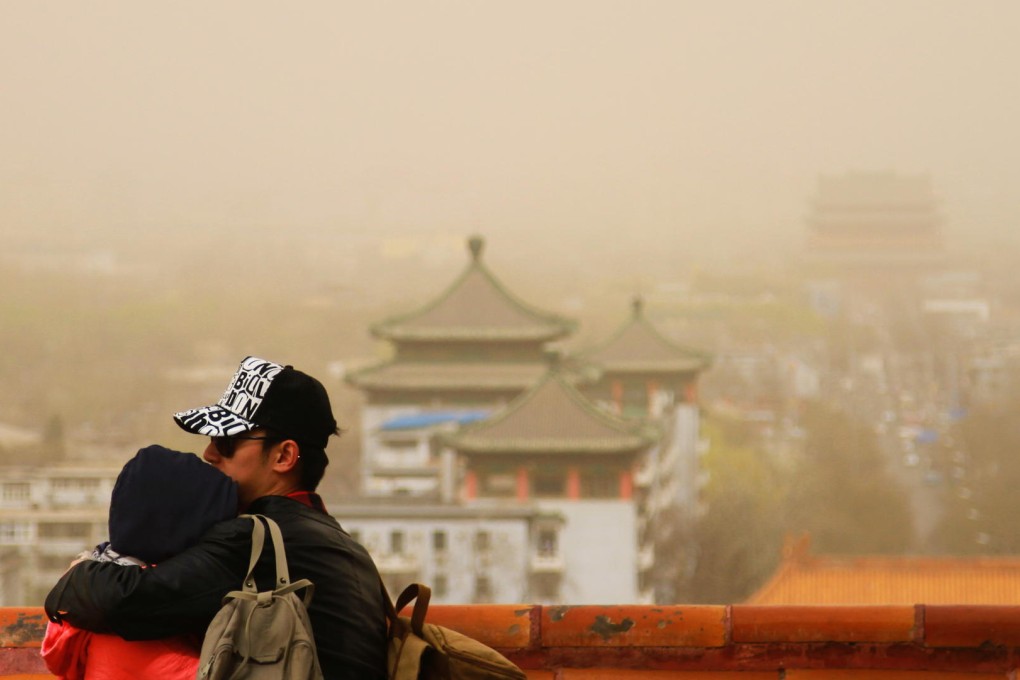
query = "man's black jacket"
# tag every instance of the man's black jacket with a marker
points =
(183, 593)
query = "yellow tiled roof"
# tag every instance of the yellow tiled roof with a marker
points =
(804, 579)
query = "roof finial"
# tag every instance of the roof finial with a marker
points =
(476, 244)
(637, 305)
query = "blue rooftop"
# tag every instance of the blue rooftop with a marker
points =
(419, 420)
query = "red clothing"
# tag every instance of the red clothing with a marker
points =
(74, 654)
(309, 498)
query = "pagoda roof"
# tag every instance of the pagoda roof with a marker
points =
(806, 579)
(551, 418)
(874, 191)
(475, 307)
(448, 375)
(638, 347)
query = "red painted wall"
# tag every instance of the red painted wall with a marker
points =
(696, 642)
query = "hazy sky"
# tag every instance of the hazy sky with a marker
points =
(520, 118)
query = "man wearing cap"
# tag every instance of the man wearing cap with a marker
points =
(268, 432)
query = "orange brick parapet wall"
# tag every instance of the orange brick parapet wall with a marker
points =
(738, 642)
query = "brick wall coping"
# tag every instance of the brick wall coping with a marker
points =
(698, 641)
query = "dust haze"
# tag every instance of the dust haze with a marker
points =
(187, 182)
(669, 132)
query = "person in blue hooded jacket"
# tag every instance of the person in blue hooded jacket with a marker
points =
(268, 432)
(162, 503)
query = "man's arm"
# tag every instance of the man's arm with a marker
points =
(179, 595)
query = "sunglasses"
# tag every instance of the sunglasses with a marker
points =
(225, 446)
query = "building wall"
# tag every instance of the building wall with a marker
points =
(377, 455)
(48, 516)
(476, 560)
(599, 547)
(396, 463)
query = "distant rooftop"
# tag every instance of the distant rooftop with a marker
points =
(552, 417)
(861, 190)
(475, 307)
(807, 579)
(415, 421)
(639, 347)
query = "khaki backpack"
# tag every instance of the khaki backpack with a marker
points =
(425, 651)
(262, 635)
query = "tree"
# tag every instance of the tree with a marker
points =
(982, 503)
(841, 491)
(737, 539)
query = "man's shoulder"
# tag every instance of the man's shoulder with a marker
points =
(283, 507)
(299, 521)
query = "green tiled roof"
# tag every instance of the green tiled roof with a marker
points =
(475, 307)
(407, 375)
(638, 347)
(552, 417)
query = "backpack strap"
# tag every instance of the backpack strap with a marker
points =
(258, 537)
(282, 584)
(282, 573)
(421, 594)
(406, 644)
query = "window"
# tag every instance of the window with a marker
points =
(483, 589)
(482, 541)
(547, 543)
(16, 491)
(15, 532)
(549, 483)
(439, 541)
(499, 483)
(600, 484)
(74, 484)
(397, 542)
(440, 586)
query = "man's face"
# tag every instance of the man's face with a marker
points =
(242, 459)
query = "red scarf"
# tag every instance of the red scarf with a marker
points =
(309, 498)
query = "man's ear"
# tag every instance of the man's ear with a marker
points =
(286, 456)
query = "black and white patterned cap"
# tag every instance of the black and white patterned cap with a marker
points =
(265, 394)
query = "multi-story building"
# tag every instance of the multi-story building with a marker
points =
(644, 376)
(555, 450)
(48, 515)
(455, 360)
(464, 553)
(559, 469)
(873, 221)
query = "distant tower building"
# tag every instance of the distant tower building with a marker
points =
(874, 221)
(502, 478)
(640, 372)
(643, 375)
(555, 450)
(466, 353)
